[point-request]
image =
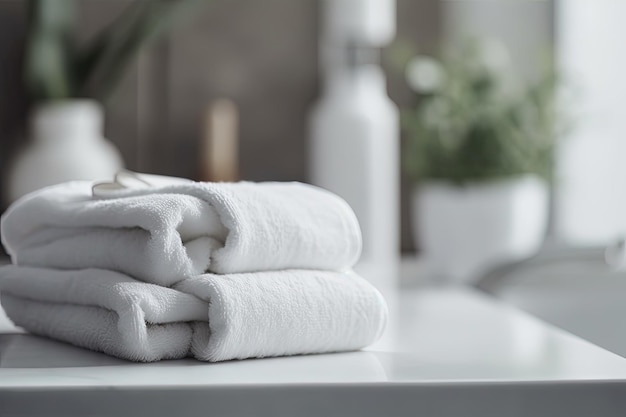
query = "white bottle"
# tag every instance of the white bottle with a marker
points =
(354, 153)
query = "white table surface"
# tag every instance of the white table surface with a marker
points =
(447, 352)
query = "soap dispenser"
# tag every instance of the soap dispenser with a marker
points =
(354, 129)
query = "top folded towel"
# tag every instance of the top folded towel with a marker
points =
(167, 229)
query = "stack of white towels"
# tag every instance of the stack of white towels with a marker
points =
(149, 267)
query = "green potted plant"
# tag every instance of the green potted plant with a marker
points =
(68, 83)
(480, 150)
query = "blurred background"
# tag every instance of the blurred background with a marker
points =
(263, 55)
(233, 90)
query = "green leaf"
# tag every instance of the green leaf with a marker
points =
(95, 51)
(111, 55)
(48, 69)
(47, 72)
(52, 15)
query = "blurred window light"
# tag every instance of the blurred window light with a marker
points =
(591, 199)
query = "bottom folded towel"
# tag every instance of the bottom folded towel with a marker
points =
(210, 317)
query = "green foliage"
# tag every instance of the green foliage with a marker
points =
(57, 69)
(480, 124)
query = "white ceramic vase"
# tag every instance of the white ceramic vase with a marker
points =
(463, 231)
(66, 143)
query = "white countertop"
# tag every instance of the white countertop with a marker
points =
(448, 352)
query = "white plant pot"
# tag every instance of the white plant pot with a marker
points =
(66, 144)
(462, 231)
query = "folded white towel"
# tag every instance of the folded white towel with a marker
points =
(234, 316)
(178, 228)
